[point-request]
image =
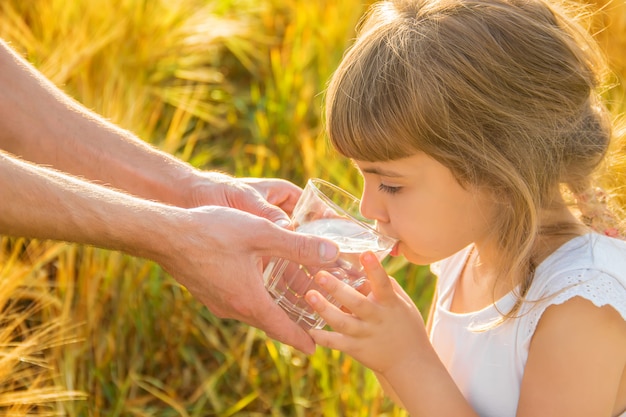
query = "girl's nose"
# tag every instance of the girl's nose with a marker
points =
(372, 207)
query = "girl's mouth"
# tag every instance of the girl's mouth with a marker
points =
(395, 251)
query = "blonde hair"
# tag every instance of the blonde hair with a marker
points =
(502, 92)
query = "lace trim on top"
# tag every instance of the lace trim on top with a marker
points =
(601, 290)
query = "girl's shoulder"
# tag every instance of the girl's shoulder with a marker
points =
(580, 260)
(591, 266)
(592, 250)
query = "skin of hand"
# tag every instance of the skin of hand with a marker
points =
(245, 298)
(385, 331)
(278, 192)
(382, 330)
(233, 256)
(260, 196)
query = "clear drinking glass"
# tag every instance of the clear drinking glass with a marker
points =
(328, 211)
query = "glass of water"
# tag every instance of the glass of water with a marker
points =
(328, 211)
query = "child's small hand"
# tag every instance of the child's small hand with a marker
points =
(380, 330)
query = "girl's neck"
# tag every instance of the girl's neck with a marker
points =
(479, 285)
(556, 227)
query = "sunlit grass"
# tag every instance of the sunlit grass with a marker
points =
(610, 32)
(235, 85)
(33, 326)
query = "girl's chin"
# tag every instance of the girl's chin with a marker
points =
(401, 250)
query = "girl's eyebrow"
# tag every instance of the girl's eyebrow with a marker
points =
(381, 172)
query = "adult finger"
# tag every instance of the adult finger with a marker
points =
(253, 202)
(277, 325)
(260, 311)
(278, 192)
(297, 247)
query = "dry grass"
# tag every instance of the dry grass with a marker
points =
(234, 85)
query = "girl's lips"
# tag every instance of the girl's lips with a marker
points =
(395, 251)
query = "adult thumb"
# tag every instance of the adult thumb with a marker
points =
(297, 247)
(301, 248)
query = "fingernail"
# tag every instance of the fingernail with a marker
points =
(321, 279)
(369, 257)
(282, 223)
(312, 299)
(328, 251)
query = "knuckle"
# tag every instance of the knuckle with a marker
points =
(302, 247)
(266, 211)
(340, 326)
(359, 303)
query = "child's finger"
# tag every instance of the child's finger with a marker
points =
(397, 288)
(340, 321)
(347, 296)
(332, 340)
(380, 283)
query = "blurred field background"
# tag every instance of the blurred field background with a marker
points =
(234, 85)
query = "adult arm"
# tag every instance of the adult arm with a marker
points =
(206, 249)
(41, 124)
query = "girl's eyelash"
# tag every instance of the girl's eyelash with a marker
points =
(388, 189)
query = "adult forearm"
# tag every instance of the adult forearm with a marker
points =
(39, 123)
(42, 203)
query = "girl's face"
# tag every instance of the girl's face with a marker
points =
(418, 201)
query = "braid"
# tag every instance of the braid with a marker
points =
(596, 213)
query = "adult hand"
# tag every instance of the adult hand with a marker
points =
(217, 253)
(259, 196)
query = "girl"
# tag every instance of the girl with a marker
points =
(468, 119)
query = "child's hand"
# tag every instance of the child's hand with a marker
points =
(381, 330)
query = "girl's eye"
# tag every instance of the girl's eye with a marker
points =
(388, 189)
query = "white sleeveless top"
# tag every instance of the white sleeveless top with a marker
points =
(488, 366)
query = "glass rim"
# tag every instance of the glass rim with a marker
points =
(326, 199)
